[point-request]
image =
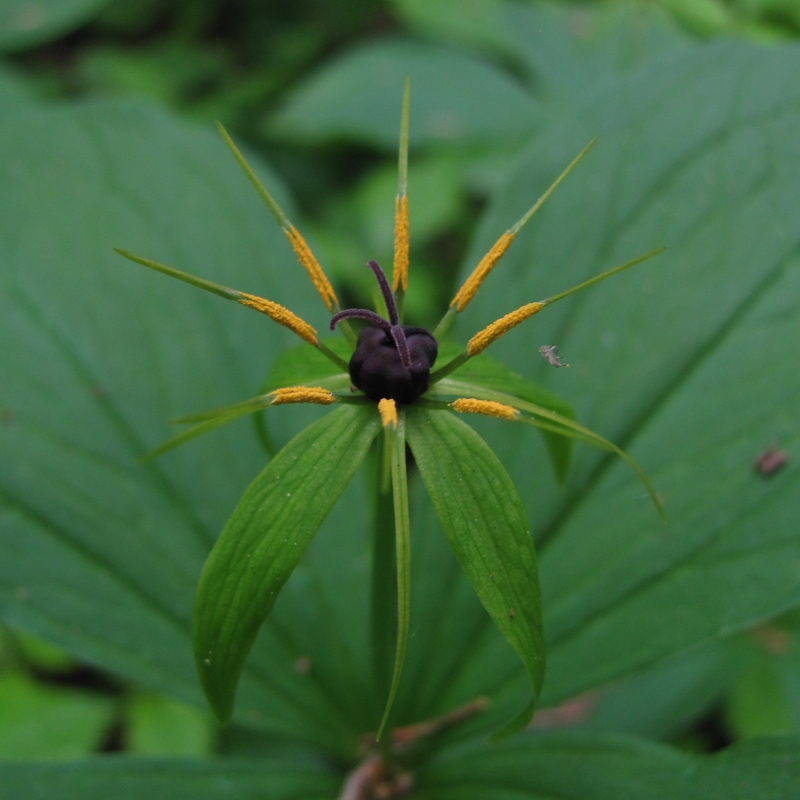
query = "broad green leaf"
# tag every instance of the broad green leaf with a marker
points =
(684, 362)
(764, 768)
(14, 93)
(579, 54)
(264, 539)
(758, 705)
(703, 17)
(764, 699)
(662, 700)
(39, 654)
(567, 766)
(638, 592)
(472, 23)
(583, 767)
(454, 98)
(133, 778)
(24, 23)
(157, 725)
(482, 515)
(39, 722)
(98, 554)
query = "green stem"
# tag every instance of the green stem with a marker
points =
(397, 435)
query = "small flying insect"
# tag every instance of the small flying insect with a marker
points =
(550, 355)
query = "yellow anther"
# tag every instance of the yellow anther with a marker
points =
(473, 283)
(481, 340)
(489, 408)
(400, 270)
(302, 394)
(388, 411)
(312, 267)
(281, 315)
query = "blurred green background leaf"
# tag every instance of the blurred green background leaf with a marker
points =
(660, 633)
(455, 99)
(29, 22)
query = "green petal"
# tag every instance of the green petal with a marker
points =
(264, 539)
(482, 515)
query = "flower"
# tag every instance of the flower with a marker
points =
(388, 385)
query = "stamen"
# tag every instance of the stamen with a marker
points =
(478, 276)
(388, 411)
(280, 315)
(489, 408)
(400, 265)
(312, 267)
(481, 340)
(401, 240)
(302, 394)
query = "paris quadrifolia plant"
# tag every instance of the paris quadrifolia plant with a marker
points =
(389, 393)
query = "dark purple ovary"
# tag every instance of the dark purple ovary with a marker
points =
(377, 369)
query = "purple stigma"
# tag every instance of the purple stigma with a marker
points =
(392, 326)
